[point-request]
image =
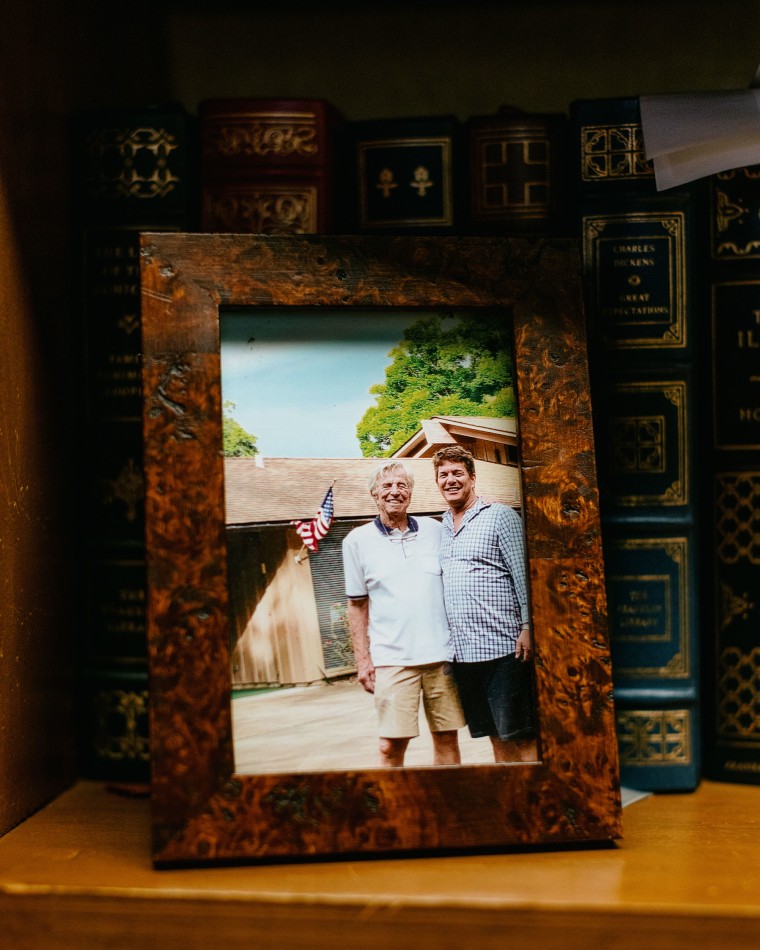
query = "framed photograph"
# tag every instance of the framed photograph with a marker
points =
(279, 372)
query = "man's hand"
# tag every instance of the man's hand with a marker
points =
(524, 646)
(365, 673)
(358, 625)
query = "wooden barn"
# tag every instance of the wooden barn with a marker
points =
(287, 605)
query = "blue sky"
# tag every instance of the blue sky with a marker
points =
(301, 380)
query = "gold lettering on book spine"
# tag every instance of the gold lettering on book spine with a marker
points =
(652, 246)
(650, 599)
(262, 135)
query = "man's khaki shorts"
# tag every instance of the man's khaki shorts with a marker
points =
(397, 700)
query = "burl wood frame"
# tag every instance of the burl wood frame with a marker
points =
(202, 811)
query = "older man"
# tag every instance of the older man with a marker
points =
(398, 622)
(486, 596)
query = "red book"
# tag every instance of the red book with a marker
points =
(267, 165)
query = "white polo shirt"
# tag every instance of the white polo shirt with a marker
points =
(401, 574)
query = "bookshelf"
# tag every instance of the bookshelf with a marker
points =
(58, 57)
(77, 875)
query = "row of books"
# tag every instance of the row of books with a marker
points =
(672, 293)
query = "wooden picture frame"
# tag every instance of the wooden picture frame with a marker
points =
(205, 813)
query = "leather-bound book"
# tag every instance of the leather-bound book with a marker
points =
(519, 180)
(732, 644)
(407, 174)
(133, 171)
(268, 165)
(643, 300)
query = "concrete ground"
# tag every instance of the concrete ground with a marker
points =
(326, 727)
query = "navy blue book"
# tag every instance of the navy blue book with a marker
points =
(642, 296)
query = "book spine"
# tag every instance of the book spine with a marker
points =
(133, 173)
(641, 296)
(732, 646)
(518, 180)
(408, 175)
(267, 165)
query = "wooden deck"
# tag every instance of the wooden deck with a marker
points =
(324, 727)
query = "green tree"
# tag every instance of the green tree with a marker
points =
(237, 442)
(464, 369)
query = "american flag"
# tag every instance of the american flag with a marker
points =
(312, 532)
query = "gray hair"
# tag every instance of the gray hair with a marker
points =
(389, 465)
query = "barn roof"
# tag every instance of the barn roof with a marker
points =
(281, 489)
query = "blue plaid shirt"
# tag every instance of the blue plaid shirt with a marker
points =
(484, 584)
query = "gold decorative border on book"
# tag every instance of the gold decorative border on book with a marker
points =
(738, 688)
(446, 218)
(654, 737)
(261, 134)
(677, 493)
(261, 209)
(130, 180)
(614, 152)
(528, 208)
(737, 517)
(638, 444)
(125, 709)
(671, 227)
(724, 211)
(753, 412)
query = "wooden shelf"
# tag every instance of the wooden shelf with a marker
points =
(78, 874)
(687, 874)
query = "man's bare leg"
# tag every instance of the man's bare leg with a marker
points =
(514, 750)
(446, 748)
(392, 752)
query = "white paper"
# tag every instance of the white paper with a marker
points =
(691, 135)
(630, 795)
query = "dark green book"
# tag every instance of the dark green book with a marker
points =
(133, 171)
(643, 298)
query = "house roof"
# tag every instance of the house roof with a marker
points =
(438, 431)
(282, 489)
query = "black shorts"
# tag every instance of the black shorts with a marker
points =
(498, 698)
